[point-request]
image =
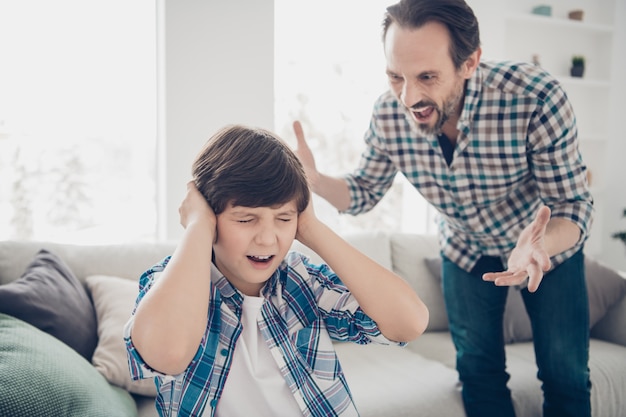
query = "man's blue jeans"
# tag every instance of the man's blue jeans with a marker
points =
(559, 315)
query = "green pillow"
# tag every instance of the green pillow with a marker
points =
(41, 376)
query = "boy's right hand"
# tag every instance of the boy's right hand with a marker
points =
(194, 208)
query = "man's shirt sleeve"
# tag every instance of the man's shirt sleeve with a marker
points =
(556, 162)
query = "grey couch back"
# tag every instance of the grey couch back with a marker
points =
(122, 260)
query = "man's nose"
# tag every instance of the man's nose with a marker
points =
(410, 94)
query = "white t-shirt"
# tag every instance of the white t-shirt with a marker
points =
(254, 386)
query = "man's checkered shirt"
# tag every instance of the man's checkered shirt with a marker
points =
(517, 149)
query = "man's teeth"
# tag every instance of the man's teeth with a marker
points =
(423, 111)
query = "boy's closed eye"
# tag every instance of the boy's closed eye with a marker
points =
(282, 219)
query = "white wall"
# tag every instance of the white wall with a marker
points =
(216, 66)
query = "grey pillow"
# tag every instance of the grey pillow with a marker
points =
(605, 287)
(51, 298)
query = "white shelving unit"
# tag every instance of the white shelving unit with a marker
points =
(555, 39)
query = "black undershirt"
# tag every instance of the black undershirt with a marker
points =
(447, 147)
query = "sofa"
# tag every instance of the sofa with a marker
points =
(62, 308)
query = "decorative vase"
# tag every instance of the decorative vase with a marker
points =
(576, 14)
(542, 10)
(577, 70)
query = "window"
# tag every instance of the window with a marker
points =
(77, 120)
(329, 70)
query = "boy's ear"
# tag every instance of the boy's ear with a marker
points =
(217, 232)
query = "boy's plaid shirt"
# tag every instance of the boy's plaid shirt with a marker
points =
(517, 149)
(306, 306)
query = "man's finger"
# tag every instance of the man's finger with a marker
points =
(505, 277)
(492, 276)
(543, 216)
(297, 128)
(543, 260)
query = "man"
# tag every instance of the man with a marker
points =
(492, 146)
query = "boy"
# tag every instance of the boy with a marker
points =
(232, 324)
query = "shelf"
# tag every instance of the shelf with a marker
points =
(592, 137)
(586, 82)
(560, 22)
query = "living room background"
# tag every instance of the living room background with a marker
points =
(78, 165)
(281, 61)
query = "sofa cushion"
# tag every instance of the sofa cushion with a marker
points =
(394, 381)
(612, 327)
(114, 300)
(128, 260)
(605, 287)
(41, 376)
(407, 254)
(373, 244)
(51, 298)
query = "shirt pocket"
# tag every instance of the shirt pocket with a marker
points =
(316, 351)
(491, 180)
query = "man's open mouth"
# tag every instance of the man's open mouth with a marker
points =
(423, 113)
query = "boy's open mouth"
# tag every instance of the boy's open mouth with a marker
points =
(262, 259)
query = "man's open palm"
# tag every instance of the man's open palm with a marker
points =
(304, 154)
(529, 257)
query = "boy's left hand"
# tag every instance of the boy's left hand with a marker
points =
(306, 221)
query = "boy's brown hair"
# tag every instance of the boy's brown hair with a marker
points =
(249, 167)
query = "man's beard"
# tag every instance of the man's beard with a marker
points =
(450, 106)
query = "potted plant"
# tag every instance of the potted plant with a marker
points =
(578, 66)
(620, 235)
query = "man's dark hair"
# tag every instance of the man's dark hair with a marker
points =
(456, 15)
(249, 167)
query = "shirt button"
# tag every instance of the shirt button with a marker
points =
(213, 403)
(224, 352)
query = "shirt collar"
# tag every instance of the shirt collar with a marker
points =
(473, 88)
(233, 297)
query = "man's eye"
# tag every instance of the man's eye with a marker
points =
(427, 77)
(244, 221)
(286, 219)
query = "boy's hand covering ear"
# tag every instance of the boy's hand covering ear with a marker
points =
(195, 208)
